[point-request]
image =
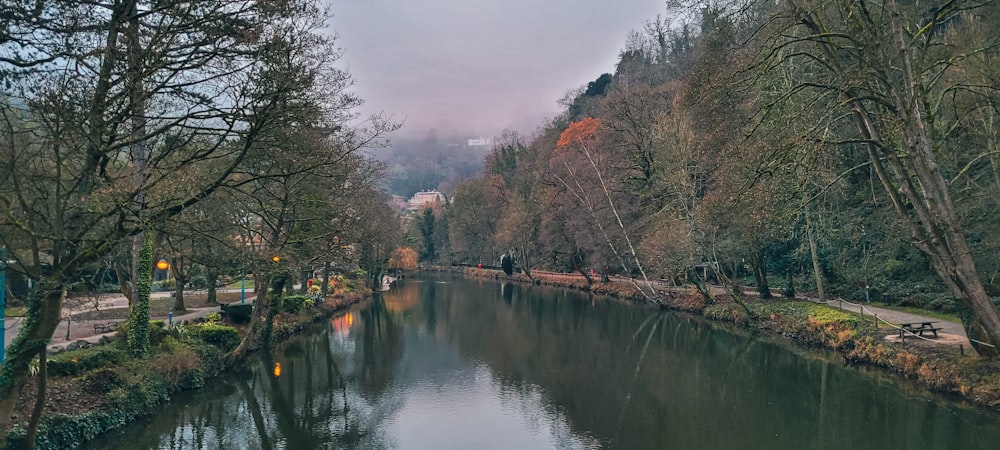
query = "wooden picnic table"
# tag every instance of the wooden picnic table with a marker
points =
(918, 328)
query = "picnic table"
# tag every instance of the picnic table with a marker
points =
(918, 328)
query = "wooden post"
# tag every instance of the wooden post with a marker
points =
(876, 322)
(961, 349)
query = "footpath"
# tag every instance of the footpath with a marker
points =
(951, 334)
(83, 333)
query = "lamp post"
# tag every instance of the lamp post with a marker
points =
(243, 285)
(3, 303)
(164, 265)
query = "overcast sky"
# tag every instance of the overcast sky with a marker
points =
(475, 67)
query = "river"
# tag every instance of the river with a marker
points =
(442, 362)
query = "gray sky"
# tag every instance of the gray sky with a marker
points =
(475, 67)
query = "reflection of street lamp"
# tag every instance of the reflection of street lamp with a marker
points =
(164, 265)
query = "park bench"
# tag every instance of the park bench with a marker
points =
(105, 327)
(918, 328)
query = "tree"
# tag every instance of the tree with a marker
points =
(403, 258)
(426, 226)
(894, 69)
(582, 137)
(196, 85)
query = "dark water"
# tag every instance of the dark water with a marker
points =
(447, 363)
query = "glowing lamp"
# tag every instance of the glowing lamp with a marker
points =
(276, 258)
(277, 369)
(162, 264)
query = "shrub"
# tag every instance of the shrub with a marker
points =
(359, 274)
(103, 381)
(198, 282)
(221, 336)
(294, 303)
(180, 367)
(165, 285)
(352, 285)
(157, 331)
(79, 361)
(213, 317)
(239, 312)
(213, 359)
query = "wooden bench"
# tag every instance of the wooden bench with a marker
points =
(101, 328)
(918, 328)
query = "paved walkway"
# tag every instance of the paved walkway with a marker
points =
(951, 333)
(83, 330)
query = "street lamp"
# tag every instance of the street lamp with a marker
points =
(276, 258)
(3, 303)
(164, 265)
(243, 285)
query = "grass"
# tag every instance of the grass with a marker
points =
(236, 284)
(15, 311)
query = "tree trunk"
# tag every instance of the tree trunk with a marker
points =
(306, 276)
(36, 413)
(212, 278)
(258, 320)
(42, 318)
(817, 273)
(789, 285)
(179, 284)
(326, 280)
(125, 285)
(138, 317)
(760, 276)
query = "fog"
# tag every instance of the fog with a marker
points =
(469, 68)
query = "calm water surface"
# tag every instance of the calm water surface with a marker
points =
(446, 363)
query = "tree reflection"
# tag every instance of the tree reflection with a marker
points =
(382, 348)
(601, 373)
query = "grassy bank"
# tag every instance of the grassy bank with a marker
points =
(939, 369)
(93, 390)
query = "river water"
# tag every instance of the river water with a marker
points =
(442, 362)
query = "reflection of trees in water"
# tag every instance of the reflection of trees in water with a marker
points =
(619, 375)
(382, 348)
(631, 377)
(311, 405)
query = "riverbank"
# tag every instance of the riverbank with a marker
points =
(94, 390)
(939, 368)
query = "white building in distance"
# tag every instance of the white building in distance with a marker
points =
(425, 199)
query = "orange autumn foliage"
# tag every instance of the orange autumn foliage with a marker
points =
(403, 258)
(582, 132)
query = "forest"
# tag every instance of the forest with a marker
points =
(840, 148)
(219, 137)
(843, 148)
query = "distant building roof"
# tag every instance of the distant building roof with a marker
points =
(424, 199)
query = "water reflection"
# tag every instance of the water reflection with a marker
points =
(469, 364)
